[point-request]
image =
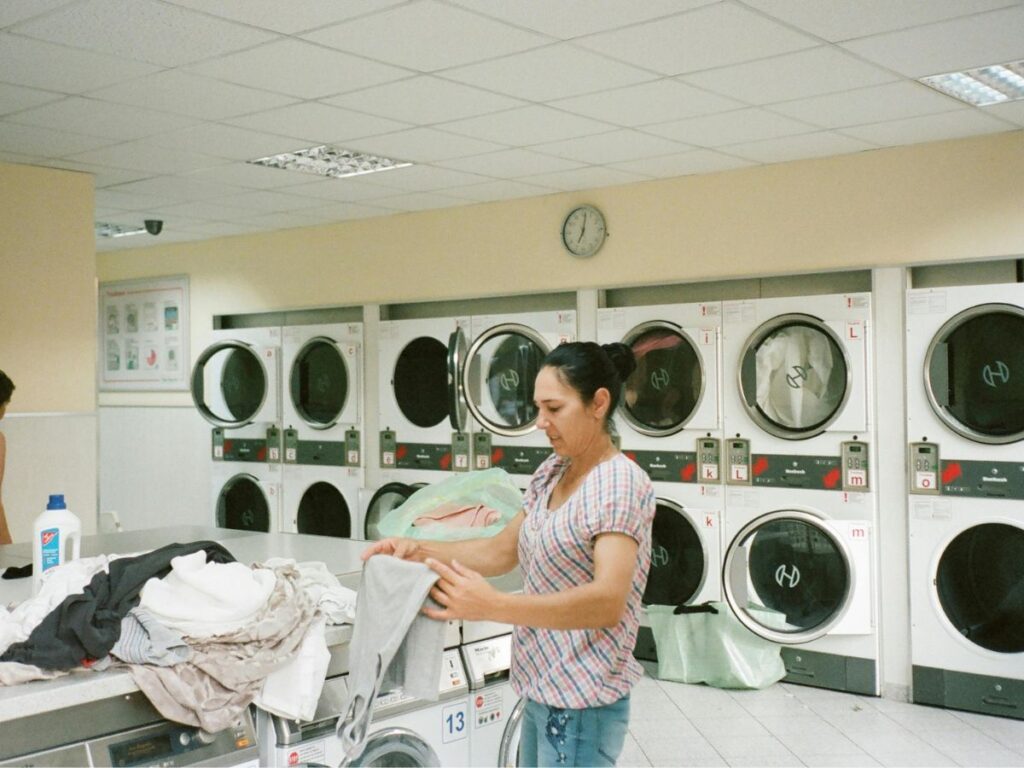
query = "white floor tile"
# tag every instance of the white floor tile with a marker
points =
(766, 747)
(859, 760)
(739, 727)
(1001, 757)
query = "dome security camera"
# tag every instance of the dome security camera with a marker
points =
(154, 226)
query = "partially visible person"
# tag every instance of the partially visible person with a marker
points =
(6, 390)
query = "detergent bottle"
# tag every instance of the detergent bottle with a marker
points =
(54, 532)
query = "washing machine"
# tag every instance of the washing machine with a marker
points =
(403, 731)
(669, 420)
(236, 388)
(247, 497)
(396, 486)
(967, 604)
(495, 710)
(800, 570)
(322, 500)
(797, 387)
(424, 420)
(498, 377)
(322, 394)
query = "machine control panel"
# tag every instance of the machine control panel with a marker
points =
(460, 452)
(709, 459)
(482, 450)
(353, 451)
(737, 461)
(487, 659)
(856, 476)
(388, 448)
(924, 468)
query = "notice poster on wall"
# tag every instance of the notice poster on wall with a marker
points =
(143, 334)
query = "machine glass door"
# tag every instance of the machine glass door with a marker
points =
(388, 497)
(243, 505)
(979, 583)
(232, 385)
(397, 747)
(666, 388)
(679, 560)
(458, 412)
(795, 377)
(788, 576)
(508, 749)
(420, 381)
(323, 511)
(319, 383)
(973, 368)
(498, 378)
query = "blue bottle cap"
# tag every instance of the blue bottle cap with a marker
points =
(56, 501)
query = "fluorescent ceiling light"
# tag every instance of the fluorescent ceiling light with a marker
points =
(117, 230)
(330, 161)
(982, 86)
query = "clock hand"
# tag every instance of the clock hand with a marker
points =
(582, 229)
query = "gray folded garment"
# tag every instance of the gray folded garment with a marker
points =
(393, 644)
(144, 640)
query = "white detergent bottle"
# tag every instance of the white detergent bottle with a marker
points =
(54, 532)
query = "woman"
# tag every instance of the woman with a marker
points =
(583, 540)
(6, 390)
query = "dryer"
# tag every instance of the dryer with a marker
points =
(247, 497)
(321, 500)
(396, 486)
(495, 710)
(498, 377)
(800, 570)
(236, 388)
(967, 604)
(322, 391)
(423, 415)
(670, 415)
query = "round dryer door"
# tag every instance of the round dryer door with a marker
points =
(319, 383)
(323, 511)
(388, 497)
(498, 378)
(794, 376)
(679, 559)
(242, 505)
(979, 583)
(663, 393)
(398, 747)
(788, 577)
(508, 749)
(973, 372)
(458, 412)
(229, 384)
(420, 381)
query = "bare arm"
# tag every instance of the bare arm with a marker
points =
(490, 556)
(464, 594)
(5, 532)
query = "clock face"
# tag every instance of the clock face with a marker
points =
(584, 231)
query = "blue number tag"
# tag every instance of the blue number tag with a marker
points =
(454, 719)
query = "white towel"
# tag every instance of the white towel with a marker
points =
(335, 602)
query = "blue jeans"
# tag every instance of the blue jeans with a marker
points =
(571, 737)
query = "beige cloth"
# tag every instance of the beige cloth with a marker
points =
(227, 671)
(455, 515)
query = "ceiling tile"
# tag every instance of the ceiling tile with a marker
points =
(690, 163)
(424, 100)
(611, 147)
(347, 211)
(43, 142)
(300, 69)
(101, 118)
(553, 72)
(510, 163)
(948, 46)
(714, 36)
(186, 94)
(127, 201)
(791, 76)
(1010, 110)
(743, 125)
(248, 175)
(181, 188)
(788, 148)
(14, 98)
(212, 210)
(280, 220)
(353, 189)
(317, 123)
(13, 11)
(425, 178)
(423, 145)
(427, 36)
(893, 101)
(37, 64)
(654, 102)
(949, 125)
(227, 141)
(527, 125)
(145, 156)
(567, 19)
(265, 200)
(837, 20)
(102, 175)
(505, 189)
(290, 17)
(589, 177)
(420, 201)
(16, 158)
(144, 30)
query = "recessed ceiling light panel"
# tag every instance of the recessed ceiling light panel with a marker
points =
(330, 161)
(983, 86)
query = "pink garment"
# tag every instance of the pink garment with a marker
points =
(459, 516)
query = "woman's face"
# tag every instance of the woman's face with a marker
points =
(569, 423)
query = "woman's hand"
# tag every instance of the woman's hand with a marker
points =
(462, 593)
(403, 549)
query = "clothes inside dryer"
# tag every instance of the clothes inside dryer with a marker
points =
(420, 381)
(323, 511)
(665, 389)
(388, 497)
(242, 505)
(972, 366)
(514, 364)
(679, 561)
(980, 586)
(319, 382)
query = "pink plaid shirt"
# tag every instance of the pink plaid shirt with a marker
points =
(580, 668)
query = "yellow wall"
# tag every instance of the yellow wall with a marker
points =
(47, 289)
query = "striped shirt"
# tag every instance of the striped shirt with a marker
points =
(580, 668)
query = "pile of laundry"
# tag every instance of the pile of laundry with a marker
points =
(202, 634)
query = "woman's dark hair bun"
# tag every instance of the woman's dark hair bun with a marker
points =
(622, 358)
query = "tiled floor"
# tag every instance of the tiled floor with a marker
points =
(673, 724)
